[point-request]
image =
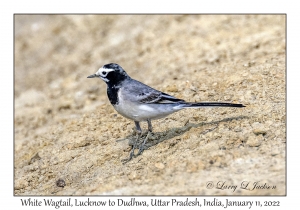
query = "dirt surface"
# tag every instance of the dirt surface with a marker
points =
(70, 141)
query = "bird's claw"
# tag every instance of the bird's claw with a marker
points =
(141, 149)
(130, 157)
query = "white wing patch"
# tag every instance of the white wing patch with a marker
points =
(146, 108)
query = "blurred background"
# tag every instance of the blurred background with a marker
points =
(51, 47)
(233, 58)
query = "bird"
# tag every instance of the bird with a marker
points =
(141, 103)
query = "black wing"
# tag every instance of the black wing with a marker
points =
(159, 98)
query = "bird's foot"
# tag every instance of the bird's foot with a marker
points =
(130, 156)
(142, 146)
(141, 149)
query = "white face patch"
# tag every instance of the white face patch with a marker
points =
(102, 72)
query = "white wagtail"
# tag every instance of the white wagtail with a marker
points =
(139, 102)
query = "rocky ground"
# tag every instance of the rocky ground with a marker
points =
(70, 141)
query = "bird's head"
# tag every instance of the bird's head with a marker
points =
(111, 73)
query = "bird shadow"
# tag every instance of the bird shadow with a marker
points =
(158, 137)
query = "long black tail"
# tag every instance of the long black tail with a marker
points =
(216, 104)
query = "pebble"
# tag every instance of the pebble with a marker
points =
(20, 184)
(193, 167)
(34, 158)
(92, 96)
(259, 128)
(254, 141)
(204, 87)
(60, 183)
(159, 165)
(132, 175)
(275, 152)
(201, 165)
(227, 97)
(249, 64)
(259, 131)
(213, 58)
(64, 104)
(278, 132)
(172, 88)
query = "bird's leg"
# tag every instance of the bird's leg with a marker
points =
(149, 125)
(141, 149)
(138, 134)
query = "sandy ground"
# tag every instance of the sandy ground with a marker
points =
(66, 129)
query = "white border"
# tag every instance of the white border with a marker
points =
(8, 8)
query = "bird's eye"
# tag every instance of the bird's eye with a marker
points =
(104, 73)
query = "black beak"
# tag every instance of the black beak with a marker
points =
(92, 76)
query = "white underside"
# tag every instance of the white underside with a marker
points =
(141, 112)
